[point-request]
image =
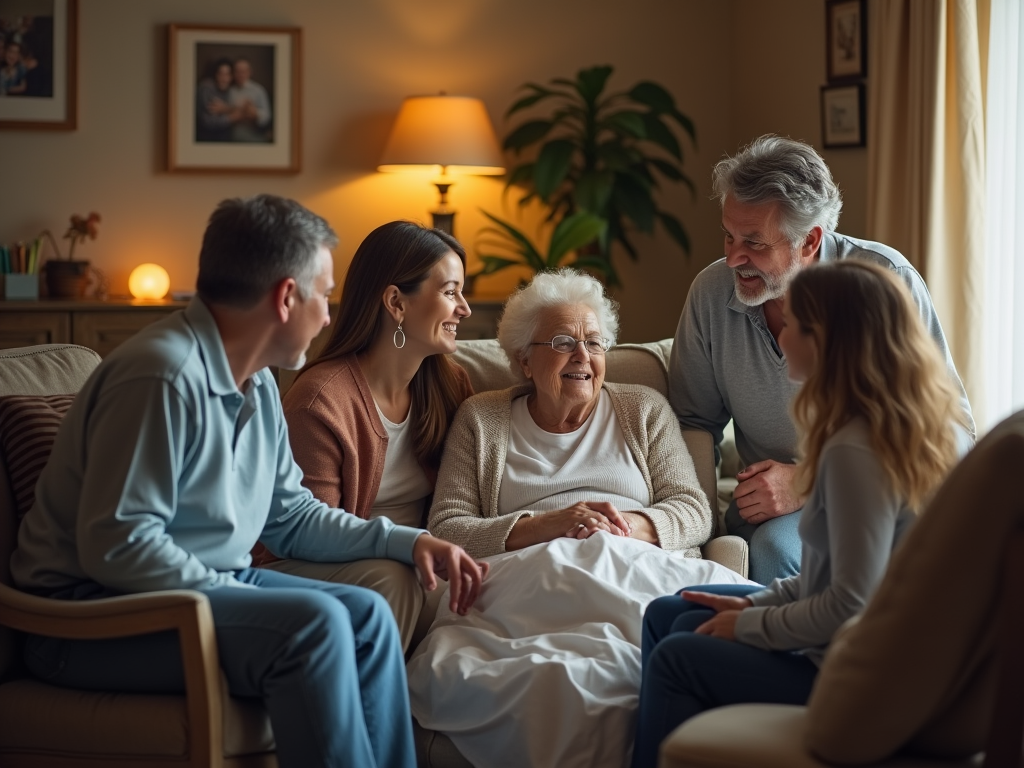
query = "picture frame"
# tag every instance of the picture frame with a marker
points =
(846, 35)
(842, 116)
(39, 88)
(234, 99)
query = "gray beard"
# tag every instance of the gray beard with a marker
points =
(774, 286)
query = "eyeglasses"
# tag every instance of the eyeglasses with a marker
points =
(595, 345)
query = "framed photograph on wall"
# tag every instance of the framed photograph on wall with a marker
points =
(842, 116)
(846, 27)
(38, 64)
(233, 99)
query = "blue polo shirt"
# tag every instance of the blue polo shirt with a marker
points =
(164, 475)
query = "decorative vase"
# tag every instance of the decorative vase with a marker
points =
(67, 279)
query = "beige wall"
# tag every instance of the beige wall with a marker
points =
(737, 67)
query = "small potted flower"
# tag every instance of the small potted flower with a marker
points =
(68, 278)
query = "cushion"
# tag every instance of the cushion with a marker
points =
(28, 426)
(917, 670)
(47, 369)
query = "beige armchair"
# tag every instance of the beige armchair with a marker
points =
(44, 725)
(931, 673)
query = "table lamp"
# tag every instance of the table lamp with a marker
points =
(149, 281)
(453, 132)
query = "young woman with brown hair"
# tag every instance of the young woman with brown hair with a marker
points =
(368, 417)
(879, 420)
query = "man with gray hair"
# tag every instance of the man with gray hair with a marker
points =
(780, 209)
(174, 460)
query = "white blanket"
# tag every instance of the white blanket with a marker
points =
(545, 670)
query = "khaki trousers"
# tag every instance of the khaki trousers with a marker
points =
(396, 582)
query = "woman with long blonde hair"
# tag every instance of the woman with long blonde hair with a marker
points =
(880, 427)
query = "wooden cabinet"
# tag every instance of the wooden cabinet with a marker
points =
(99, 325)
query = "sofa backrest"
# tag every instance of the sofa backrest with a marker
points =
(43, 372)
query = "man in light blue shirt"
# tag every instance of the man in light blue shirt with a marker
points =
(780, 208)
(174, 460)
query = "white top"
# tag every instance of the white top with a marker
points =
(404, 487)
(545, 471)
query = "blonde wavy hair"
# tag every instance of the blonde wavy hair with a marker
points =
(875, 360)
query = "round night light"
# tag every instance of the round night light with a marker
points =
(149, 281)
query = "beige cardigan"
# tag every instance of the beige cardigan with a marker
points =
(465, 508)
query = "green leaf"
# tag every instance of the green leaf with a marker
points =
(660, 134)
(573, 233)
(686, 124)
(494, 264)
(667, 169)
(654, 96)
(674, 227)
(635, 202)
(519, 243)
(614, 156)
(626, 121)
(528, 133)
(552, 166)
(529, 101)
(590, 82)
(594, 190)
(519, 174)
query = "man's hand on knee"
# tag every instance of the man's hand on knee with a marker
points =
(765, 491)
(436, 557)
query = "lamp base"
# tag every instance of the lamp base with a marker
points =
(445, 221)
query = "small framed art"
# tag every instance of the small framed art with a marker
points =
(38, 64)
(234, 99)
(846, 35)
(842, 116)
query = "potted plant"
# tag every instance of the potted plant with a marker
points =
(604, 154)
(516, 249)
(68, 278)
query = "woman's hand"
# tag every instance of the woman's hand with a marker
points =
(579, 521)
(641, 528)
(727, 611)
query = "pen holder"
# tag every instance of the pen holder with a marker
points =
(17, 287)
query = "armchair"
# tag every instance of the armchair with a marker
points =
(46, 725)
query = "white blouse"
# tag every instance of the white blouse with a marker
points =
(545, 471)
(404, 487)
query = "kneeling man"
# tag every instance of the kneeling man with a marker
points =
(174, 460)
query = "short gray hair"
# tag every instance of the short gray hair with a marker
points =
(252, 244)
(772, 169)
(547, 290)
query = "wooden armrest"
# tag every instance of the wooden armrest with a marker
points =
(186, 611)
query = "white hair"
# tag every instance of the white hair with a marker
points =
(547, 290)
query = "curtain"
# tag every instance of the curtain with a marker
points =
(926, 157)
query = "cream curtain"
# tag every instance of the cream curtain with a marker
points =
(926, 156)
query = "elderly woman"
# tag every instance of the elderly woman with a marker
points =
(598, 475)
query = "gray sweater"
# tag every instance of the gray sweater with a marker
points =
(726, 364)
(850, 525)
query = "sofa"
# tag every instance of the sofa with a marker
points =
(46, 725)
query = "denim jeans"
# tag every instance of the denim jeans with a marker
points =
(775, 544)
(685, 673)
(325, 658)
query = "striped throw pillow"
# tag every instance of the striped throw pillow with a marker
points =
(28, 425)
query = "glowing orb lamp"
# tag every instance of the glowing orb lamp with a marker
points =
(149, 281)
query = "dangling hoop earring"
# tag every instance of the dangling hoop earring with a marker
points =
(394, 338)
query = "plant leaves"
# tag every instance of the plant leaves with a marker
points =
(674, 227)
(626, 121)
(667, 169)
(660, 134)
(572, 233)
(552, 166)
(654, 96)
(614, 156)
(590, 82)
(494, 264)
(529, 101)
(634, 200)
(520, 174)
(528, 133)
(594, 190)
(518, 242)
(686, 124)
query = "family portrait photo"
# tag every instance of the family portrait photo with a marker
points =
(235, 94)
(37, 63)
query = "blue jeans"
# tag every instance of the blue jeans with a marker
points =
(685, 674)
(325, 658)
(775, 544)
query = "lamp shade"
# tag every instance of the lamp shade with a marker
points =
(149, 281)
(450, 131)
